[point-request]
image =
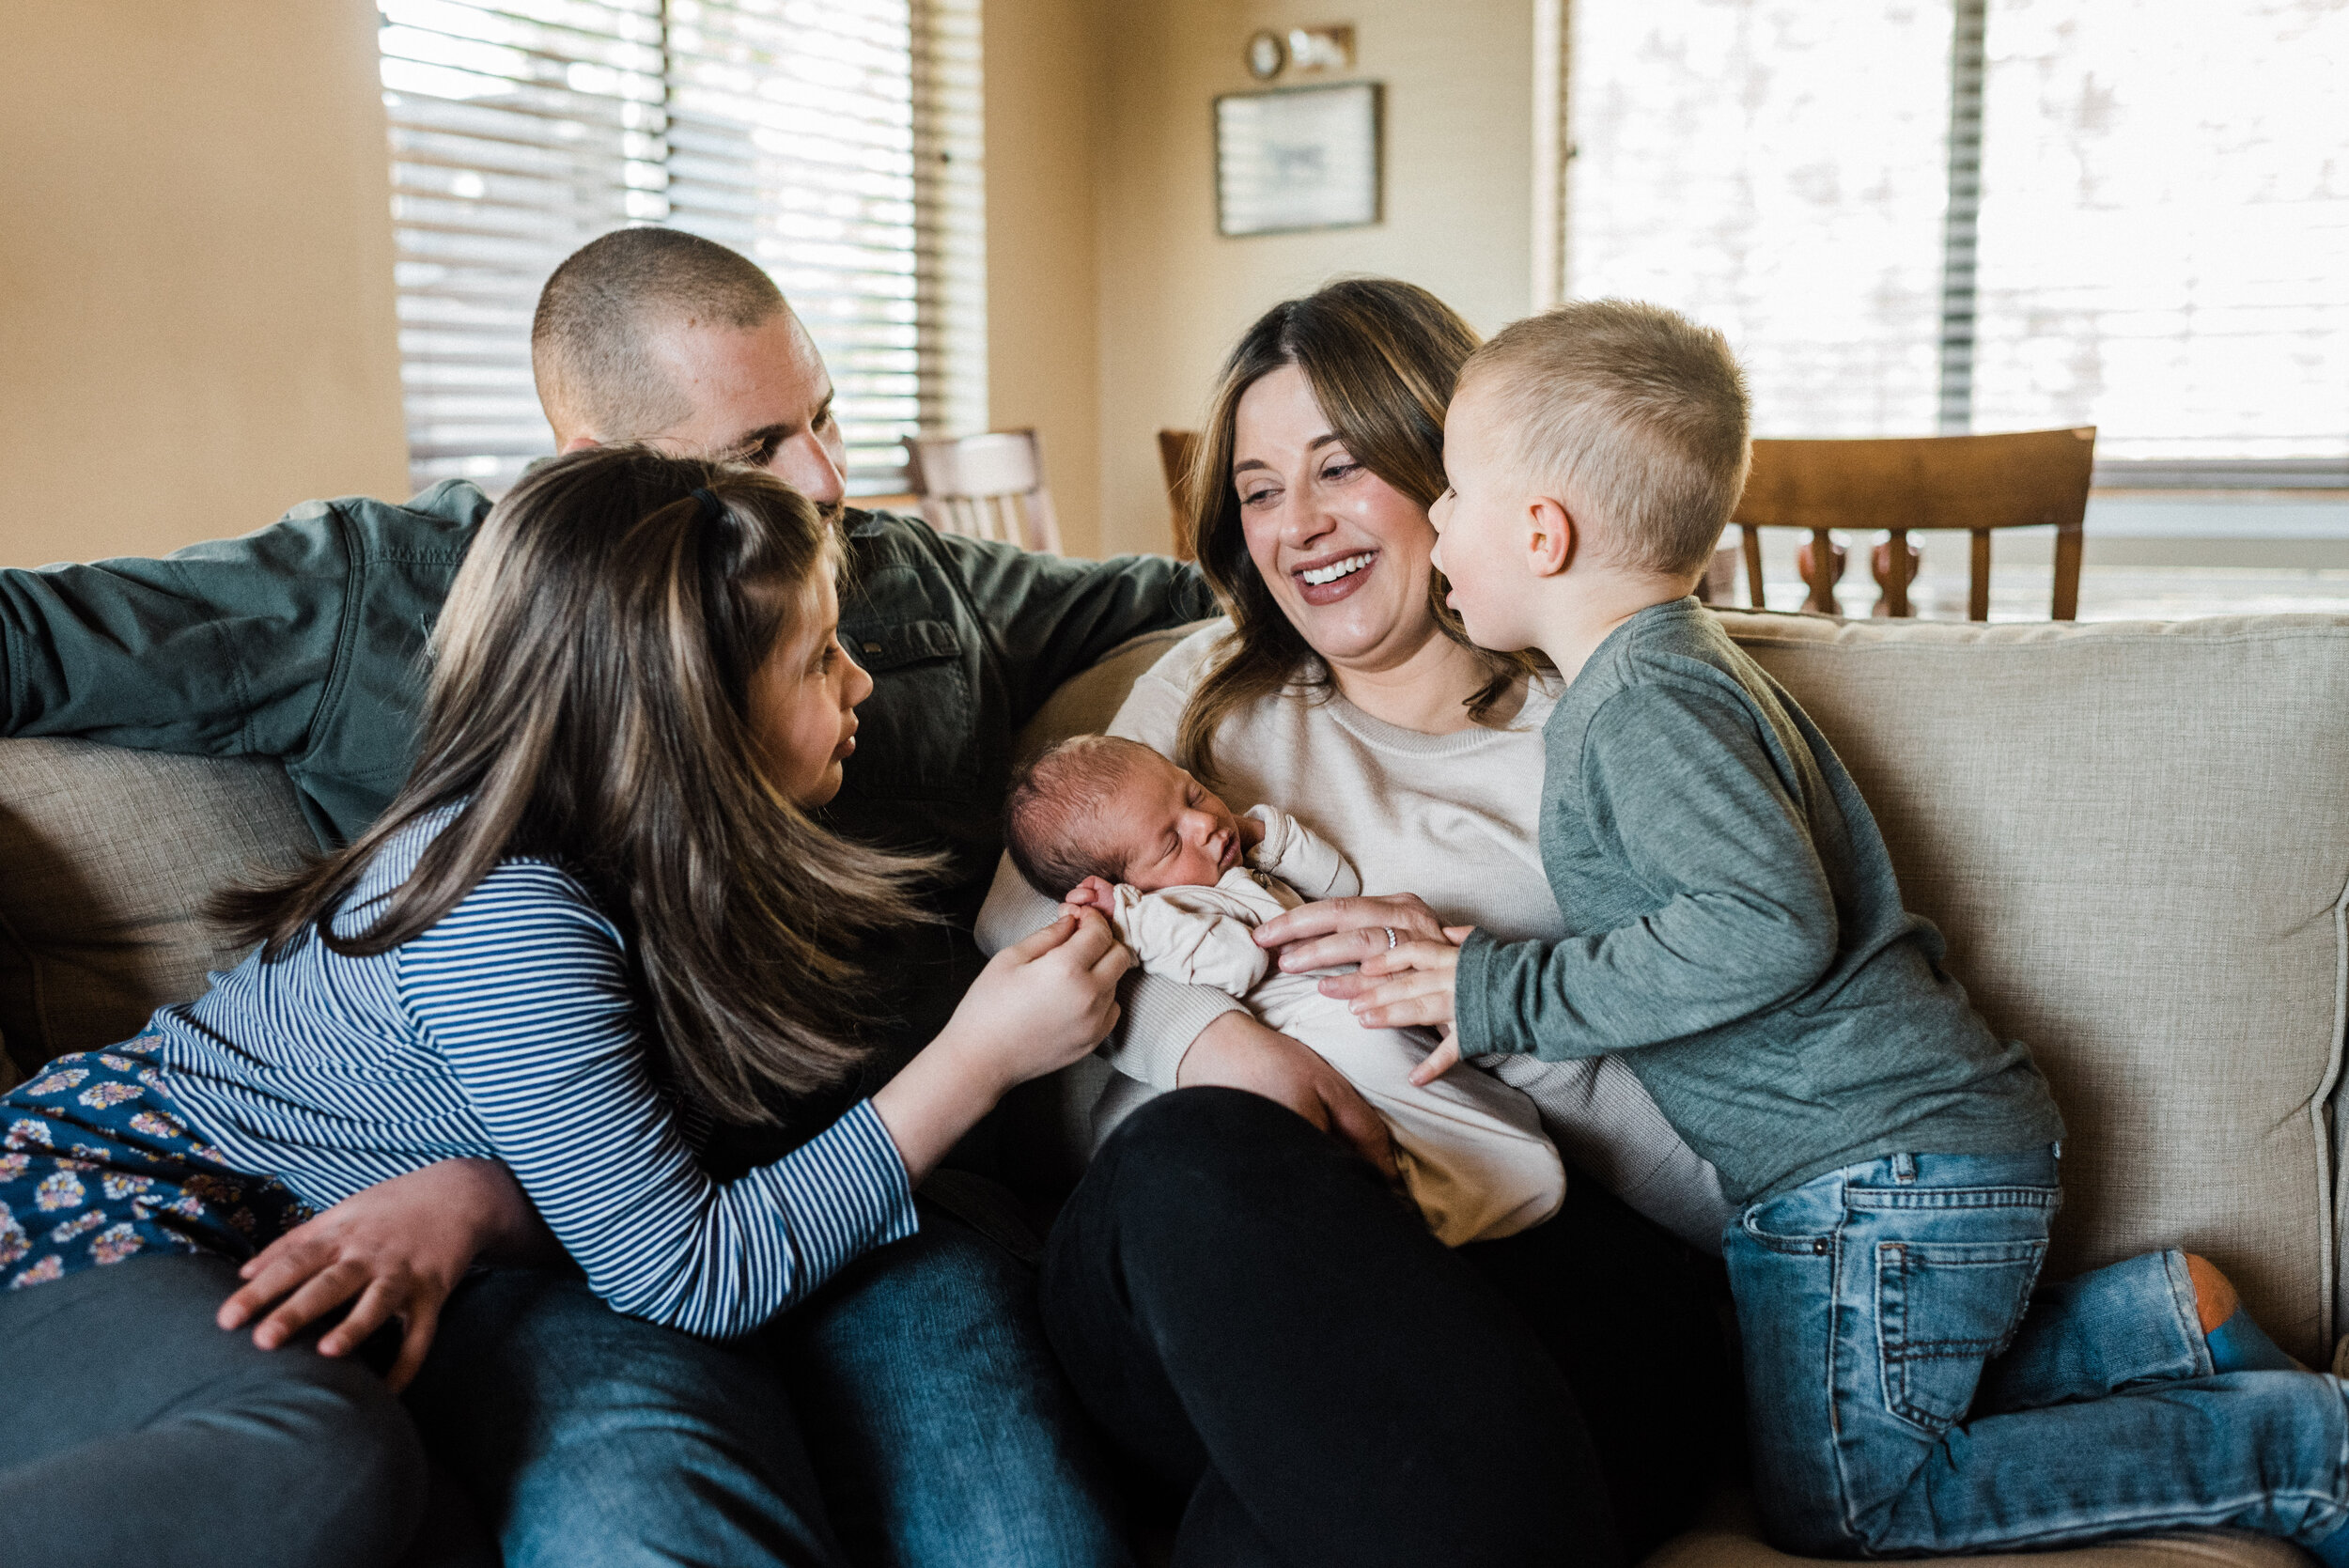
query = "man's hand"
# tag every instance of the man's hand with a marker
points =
(1238, 1052)
(1410, 986)
(399, 1248)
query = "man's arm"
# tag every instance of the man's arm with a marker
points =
(1052, 616)
(220, 649)
(1679, 788)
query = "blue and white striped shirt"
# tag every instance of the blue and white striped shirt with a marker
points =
(507, 1032)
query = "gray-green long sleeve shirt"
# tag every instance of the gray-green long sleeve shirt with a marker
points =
(1738, 933)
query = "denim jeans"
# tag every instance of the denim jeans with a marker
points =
(908, 1415)
(1908, 1394)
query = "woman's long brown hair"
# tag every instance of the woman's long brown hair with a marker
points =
(589, 705)
(1382, 357)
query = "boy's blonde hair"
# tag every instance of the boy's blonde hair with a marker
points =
(1633, 415)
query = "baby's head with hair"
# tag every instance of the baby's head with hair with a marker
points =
(1097, 805)
(1629, 420)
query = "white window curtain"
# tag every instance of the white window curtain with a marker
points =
(2161, 246)
(1774, 168)
(834, 142)
(2165, 232)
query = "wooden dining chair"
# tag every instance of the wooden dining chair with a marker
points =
(1902, 485)
(1177, 450)
(988, 486)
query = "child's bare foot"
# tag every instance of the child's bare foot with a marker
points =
(2236, 1342)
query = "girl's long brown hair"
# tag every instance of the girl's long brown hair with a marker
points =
(589, 705)
(1382, 357)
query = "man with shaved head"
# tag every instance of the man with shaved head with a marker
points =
(909, 1414)
(671, 337)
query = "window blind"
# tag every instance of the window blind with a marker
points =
(834, 142)
(2149, 233)
(1774, 169)
(2165, 233)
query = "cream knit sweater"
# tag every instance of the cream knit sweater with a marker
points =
(1450, 817)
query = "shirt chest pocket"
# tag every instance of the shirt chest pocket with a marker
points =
(916, 733)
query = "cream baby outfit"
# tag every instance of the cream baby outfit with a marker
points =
(1471, 1149)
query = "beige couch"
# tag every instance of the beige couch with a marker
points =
(2135, 836)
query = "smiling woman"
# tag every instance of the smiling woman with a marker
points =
(1319, 464)
(1239, 1297)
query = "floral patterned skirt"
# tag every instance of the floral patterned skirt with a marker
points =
(96, 1165)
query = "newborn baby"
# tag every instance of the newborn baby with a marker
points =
(1111, 823)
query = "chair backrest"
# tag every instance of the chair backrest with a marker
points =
(988, 486)
(1177, 451)
(2031, 478)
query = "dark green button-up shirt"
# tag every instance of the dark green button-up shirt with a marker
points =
(304, 642)
(307, 639)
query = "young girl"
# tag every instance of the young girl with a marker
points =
(597, 914)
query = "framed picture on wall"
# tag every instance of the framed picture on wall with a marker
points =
(1297, 158)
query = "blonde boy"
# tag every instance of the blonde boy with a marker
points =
(1739, 938)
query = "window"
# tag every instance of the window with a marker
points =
(2158, 243)
(834, 142)
(2165, 230)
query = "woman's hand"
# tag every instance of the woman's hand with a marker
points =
(1240, 1052)
(1336, 932)
(1039, 1004)
(399, 1248)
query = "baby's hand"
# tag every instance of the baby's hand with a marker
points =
(1411, 984)
(1440, 1061)
(1092, 894)
(1251, 832)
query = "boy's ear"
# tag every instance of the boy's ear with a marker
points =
(1552, 537)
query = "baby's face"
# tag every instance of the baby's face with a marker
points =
(1171, 829)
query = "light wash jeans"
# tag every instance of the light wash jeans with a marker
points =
(1910, 1393)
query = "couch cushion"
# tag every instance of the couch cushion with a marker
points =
(108, 856)
(2135, 837)
(1731, 1537)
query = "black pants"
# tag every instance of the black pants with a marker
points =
(1271, 1334)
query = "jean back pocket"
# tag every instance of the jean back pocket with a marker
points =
(1942, 1309)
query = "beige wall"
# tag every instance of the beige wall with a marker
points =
(197, 331)
(1460, 84)
(1045, 104)
(196, 272)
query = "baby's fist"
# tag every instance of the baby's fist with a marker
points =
(1093, 893)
